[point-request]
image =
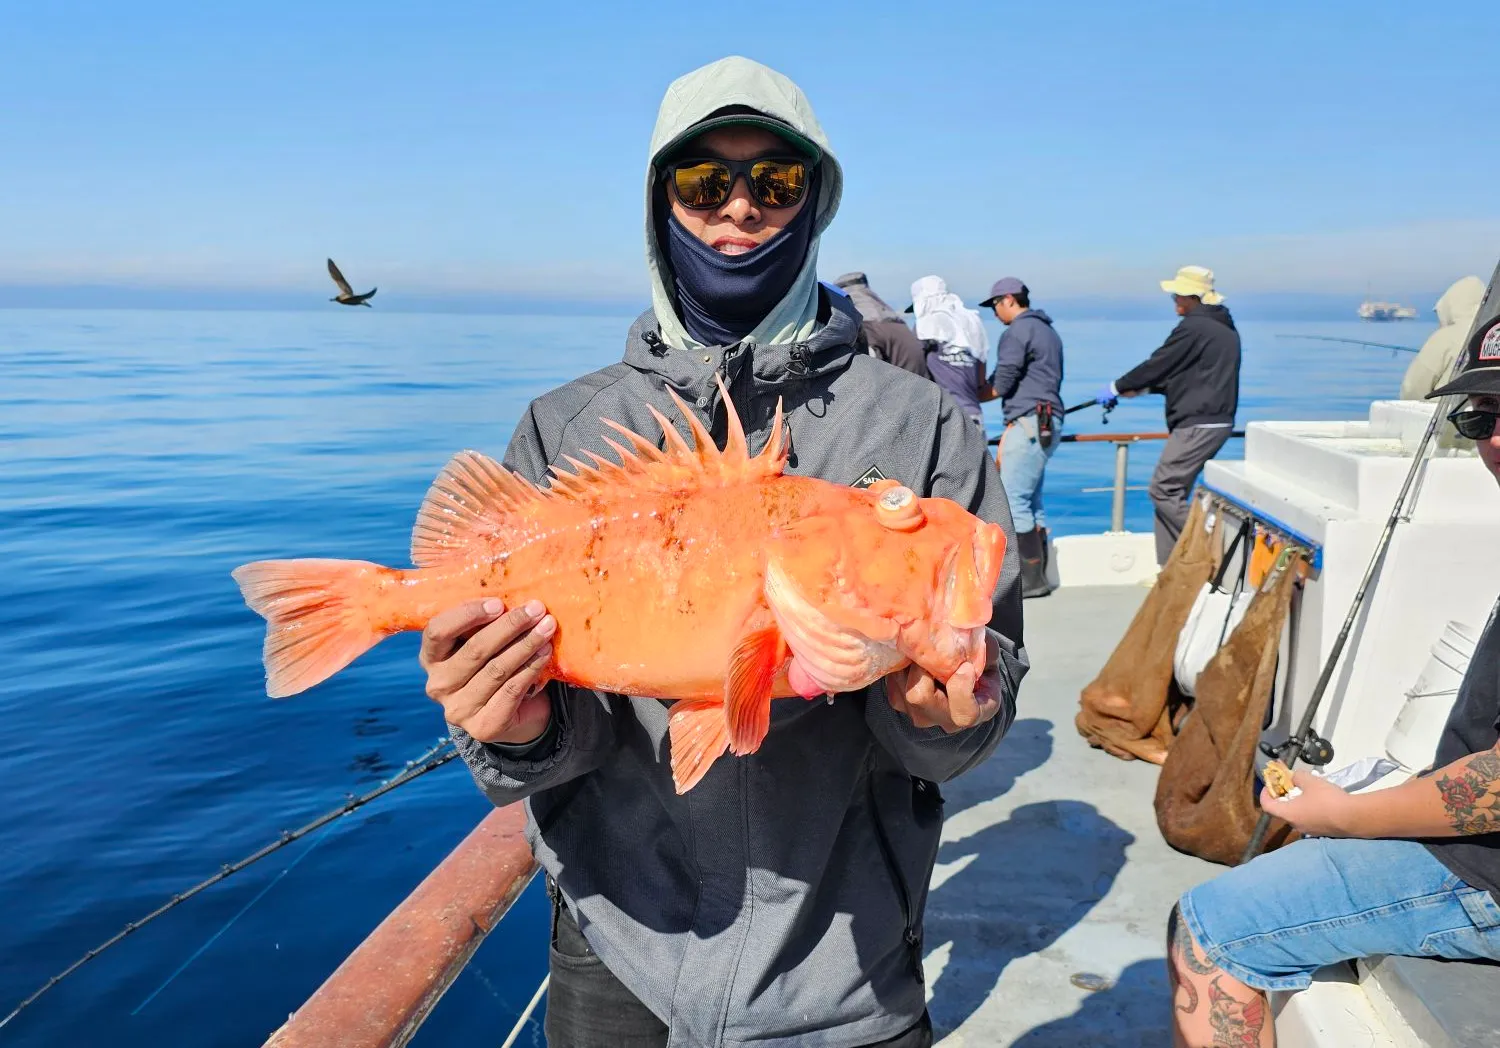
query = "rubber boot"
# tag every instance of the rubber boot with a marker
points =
(1033, 569)
(1046, 555)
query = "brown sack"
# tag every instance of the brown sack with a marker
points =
(1124, 710)
(1205, 797)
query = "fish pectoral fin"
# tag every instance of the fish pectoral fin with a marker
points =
(698, 738)
(747, 692)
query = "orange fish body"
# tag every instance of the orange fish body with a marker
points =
(690, 574)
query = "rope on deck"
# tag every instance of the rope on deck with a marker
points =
(434, 758)
(536, 999)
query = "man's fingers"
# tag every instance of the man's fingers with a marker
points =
(506, 678)
(498, 635)
(520, 723)
(448, 628)
(963, 710)
(490, 716)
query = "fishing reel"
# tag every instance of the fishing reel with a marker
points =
(1313, 749)
(1316, 750)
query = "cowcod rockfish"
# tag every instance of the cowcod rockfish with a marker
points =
(685, 573)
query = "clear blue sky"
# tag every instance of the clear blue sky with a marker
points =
(499, 147)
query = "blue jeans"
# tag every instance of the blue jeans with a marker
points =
(1023, 464)
(1274, 921)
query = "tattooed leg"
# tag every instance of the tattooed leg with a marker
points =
(1236, 1014)
(1237, 1019)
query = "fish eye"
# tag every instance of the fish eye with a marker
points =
(896, 498)
(897, 508)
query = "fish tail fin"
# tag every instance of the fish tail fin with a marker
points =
(317, 616)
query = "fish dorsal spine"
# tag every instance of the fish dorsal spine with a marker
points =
(475, 502)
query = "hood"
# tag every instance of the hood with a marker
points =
(692, 98)
(1460, 302)
(942, 315)
(870, 305)
(1219, 313)
(764, 368)
(1038, 314)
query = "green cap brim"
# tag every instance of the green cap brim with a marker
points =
(801, 143)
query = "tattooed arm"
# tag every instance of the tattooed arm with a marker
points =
(1458, 799)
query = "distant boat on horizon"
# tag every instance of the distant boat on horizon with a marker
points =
(1369, 310)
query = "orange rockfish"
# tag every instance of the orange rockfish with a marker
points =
(686, 573)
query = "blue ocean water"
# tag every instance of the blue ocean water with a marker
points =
(143, 455)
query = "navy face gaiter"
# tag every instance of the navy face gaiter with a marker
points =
(721, 298)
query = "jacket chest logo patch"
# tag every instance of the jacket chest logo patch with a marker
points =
(868, 477)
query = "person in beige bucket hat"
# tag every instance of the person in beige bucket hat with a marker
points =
(1194, 282)
(1197, 369)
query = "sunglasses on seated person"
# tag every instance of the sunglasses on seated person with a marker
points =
(706, 182)
(1474, 423)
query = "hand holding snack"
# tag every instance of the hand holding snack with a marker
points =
(1311, 804)
(1278, 779)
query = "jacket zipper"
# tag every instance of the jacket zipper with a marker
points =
(909, 934)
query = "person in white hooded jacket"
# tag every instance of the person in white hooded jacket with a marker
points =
(958, 346)
(780, 901)
(1434, 361)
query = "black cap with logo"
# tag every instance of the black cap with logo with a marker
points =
(1481, 373)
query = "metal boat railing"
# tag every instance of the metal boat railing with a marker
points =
(380, 995)
(1122, 442)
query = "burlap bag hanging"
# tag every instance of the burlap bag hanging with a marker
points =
(1206, 802)
(1125, 710)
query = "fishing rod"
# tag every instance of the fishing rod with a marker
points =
(1355, 342)
(434, 758)
(1304, 738)
(992, 441)
(1085, 404)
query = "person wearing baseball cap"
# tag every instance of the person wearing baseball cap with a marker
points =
(1411, 871)
(1479, 380)
(1197, 369)
(1028, 379)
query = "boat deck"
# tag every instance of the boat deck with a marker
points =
(1051, 865)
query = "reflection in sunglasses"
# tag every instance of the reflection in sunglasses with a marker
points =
(773, 183)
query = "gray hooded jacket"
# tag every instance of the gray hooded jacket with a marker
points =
(778, 902)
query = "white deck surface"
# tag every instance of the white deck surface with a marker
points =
(1052, 865)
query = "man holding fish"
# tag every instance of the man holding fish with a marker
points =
(780, 900)
(639, 646)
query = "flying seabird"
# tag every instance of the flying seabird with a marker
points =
(346, 295)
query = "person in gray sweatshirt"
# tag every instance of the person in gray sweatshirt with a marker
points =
(1028, 379)
(780, 901)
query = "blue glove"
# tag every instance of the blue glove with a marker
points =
(1107, 397)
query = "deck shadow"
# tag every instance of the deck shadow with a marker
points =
(1025, 748)
(1134, 1012)
(1032, 877)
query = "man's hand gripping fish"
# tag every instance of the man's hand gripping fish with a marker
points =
(691, 574)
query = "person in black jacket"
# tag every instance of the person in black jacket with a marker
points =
(883, 333)
(1198, 369)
